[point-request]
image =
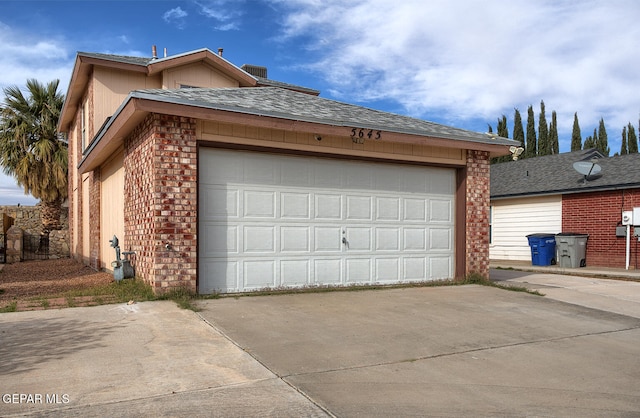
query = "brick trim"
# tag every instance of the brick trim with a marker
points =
(160, 162)
(477, 213)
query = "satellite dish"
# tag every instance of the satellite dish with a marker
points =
(587, 169)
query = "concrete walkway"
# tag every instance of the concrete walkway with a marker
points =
(143, 360)
(596, 288)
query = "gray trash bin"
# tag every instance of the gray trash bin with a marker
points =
(571, 249)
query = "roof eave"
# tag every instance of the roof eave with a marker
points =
(80, 78)
(138, 105)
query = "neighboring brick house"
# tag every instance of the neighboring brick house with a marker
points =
(547, 195)
(223, 180)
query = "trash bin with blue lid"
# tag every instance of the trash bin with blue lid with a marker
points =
(543, 249)
(572, 249)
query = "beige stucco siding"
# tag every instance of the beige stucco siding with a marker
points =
(112, 207)
(514, 219)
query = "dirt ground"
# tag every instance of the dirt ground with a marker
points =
(31, 283)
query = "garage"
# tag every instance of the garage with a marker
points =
(271, 220)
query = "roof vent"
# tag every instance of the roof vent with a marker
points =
(255, 70)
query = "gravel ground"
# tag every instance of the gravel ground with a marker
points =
(23, 282)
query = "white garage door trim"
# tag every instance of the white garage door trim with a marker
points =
(270, 220)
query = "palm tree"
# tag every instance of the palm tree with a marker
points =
(31, 150)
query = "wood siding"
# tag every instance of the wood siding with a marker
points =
(112, 208)
(196, 75)
(111, 87)
(248, 136)
(514, 219)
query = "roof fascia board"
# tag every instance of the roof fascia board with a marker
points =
(112, 135)
(570, 191)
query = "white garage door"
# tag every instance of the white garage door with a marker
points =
(268, 221)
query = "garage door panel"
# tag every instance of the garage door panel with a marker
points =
(220, 202)
(440, 210)
(254, 234)
(440, 267)
(415, 210)
(259, 239)
(358, 239)
(294, 272)
(295, 205)
(258, 170)
(387, 270)
(328, 238)
(359, 208)
(295, 239)
(387, 239)
(221, 275)
(327, 271)
(328, 206)
(259, 274)
(414, 239)
(219, 240)
(414, 268)
(440, 239)
(358, 270)
(259, 204)
(388, 209)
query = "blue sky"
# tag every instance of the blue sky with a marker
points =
(462, 63)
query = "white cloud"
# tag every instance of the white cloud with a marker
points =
(11, 194)
(225, 13)
(176, 16)
(470, 59)
(25, 56)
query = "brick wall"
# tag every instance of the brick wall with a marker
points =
(598, 214)
(94, 219)
(160, 161)
(477, 213)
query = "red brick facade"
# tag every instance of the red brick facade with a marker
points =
(160, 163)
(477, 213)
(598, 214)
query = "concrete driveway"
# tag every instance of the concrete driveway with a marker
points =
(446, 351)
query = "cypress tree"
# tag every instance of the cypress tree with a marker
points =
(632, 140)
(602, 143)
(532, 147)
(503, 131)
(518, 131)
(553, 134)
(544, 147)
(623, 146)
(576, 137)
(591, 141)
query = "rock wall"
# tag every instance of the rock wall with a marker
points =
(28, 218)
(26, 221)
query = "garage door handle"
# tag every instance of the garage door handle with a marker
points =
(345, 242)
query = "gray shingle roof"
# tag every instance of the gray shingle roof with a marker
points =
(144, 61)
(291, 105)
(554, 174)
(118, 58)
